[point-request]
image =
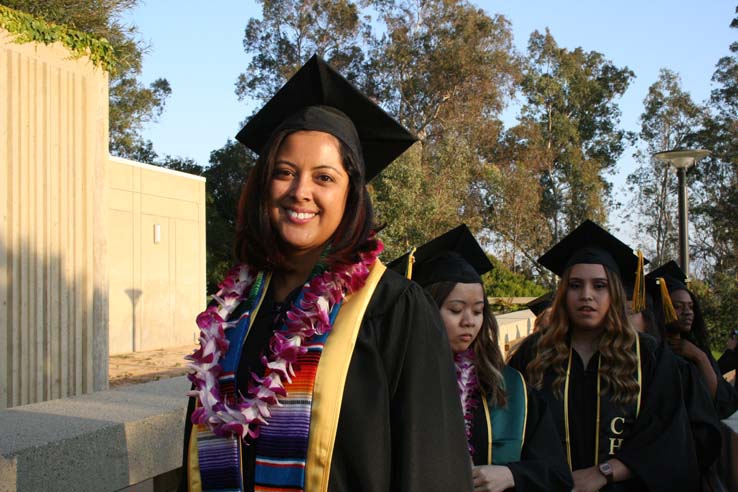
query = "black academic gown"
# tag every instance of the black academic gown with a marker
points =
(660, 451)
(703, 419)
(726, 396)
(542, 466)
(401, 426)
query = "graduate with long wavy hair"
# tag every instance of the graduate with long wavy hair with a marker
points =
(614, 394)
(512, 439)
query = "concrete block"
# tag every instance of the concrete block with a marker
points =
(103, 441)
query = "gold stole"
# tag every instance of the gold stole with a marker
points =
(330, 381)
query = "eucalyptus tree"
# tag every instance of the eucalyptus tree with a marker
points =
(670, 120)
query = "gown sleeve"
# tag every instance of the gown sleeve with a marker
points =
(728, 361)
(726, 396)
(542, 465)
(401, 426)
(660, 452)
(523, 355)
(703, 419)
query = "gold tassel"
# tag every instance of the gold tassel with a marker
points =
(670, 315)
(639, 289)
(410, 261)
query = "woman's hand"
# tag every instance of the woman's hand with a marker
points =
(692, 353)
(588, 479)
(686, 349)
(492, 478)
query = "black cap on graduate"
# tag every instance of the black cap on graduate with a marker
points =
(455, 256)
(591, 244)
(674, 276)
(319, 98)
(664, 280)
(539, 304)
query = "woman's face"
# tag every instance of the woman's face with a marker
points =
(587, 296)
(463, 313)
(683, 305)
(308, 190)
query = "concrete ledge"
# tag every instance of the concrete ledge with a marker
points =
(104, 441)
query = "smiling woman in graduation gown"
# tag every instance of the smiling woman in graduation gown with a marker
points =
(512, 439)
(329, 373)
(641, 441)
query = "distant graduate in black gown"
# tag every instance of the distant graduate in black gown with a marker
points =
(679, 313)
(319, 369)
(615, 397)
(512, 439)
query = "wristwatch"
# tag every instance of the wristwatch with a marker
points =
(606, 470)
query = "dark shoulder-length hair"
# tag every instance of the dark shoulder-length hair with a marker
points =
(698, 333)
(258, 244)
(488, 360)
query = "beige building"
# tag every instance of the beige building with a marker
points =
(97, 254)
(514, 327)
(156, 222)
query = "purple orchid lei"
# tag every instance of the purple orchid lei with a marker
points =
(243, 416)
(466, 380)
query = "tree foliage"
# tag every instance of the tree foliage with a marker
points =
(716, 198)
(501, 282)
(132, 104)
(566, 142)
(289, 32)
(719, 174)
(445, 69)
(570, 110)
(229, 168)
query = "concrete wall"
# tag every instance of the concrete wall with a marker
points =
(105, 441)
(112, 440)
(513, 328)
(157, 279)
(53, 282)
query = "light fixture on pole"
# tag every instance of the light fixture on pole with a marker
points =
(682, 160)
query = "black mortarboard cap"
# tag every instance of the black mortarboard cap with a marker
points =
(319, 98)
(673, 279)
(672, 274)
(539, 304)
(589, 243)
(455, 256)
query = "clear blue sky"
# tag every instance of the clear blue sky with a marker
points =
(199, 50)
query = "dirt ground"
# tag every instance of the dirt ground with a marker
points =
(141, 367)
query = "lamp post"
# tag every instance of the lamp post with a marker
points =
(682, 160)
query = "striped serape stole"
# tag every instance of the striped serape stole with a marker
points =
(281, 449)
(220, 461)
